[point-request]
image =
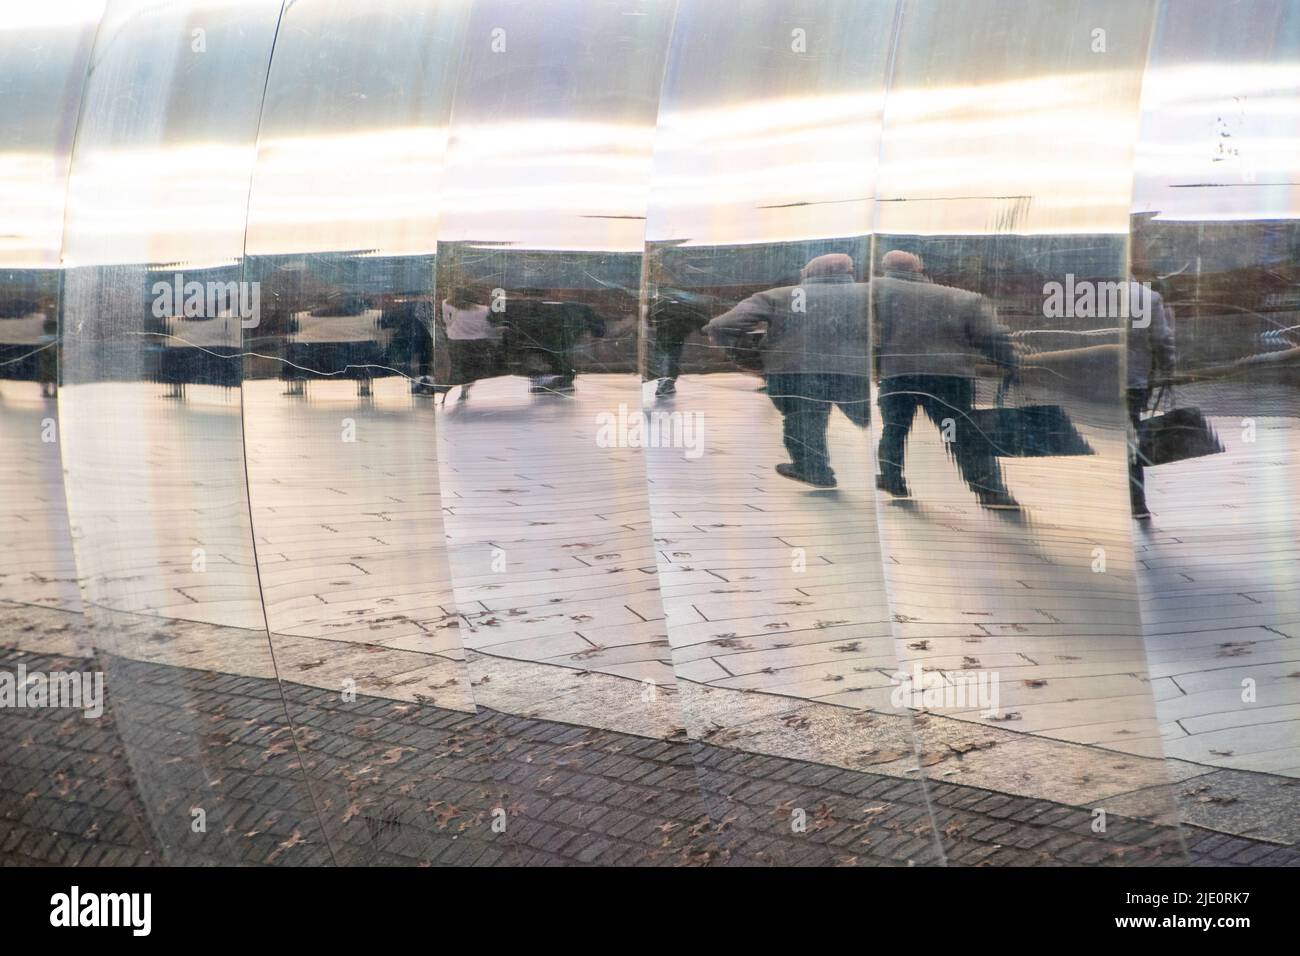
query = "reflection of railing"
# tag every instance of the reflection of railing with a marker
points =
(1214, 333)
(1287, 338)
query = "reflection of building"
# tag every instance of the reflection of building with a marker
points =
(1233, 284)
(28, 325)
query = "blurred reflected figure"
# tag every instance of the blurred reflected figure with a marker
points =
(1150, 350)
(543, 332)
(48, 358)
(674, 315)
(930, 338)
(473, 339)
(411, 346)
(815, 356)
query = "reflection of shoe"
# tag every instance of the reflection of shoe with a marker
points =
(823, 480)
(893, 486)
(667, 386)
(998, 500)
(551, 383)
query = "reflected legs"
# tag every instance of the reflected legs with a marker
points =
(942, 397)
(805, 402)
(1137, 488)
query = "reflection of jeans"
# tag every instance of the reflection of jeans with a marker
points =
(941, 397)
(805, 400)
(550, 342)
(667, 356)
(1137, 488)
(472, 359)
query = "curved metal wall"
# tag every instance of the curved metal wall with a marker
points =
(775, 594)
(152, 439)
(993, 175)
(340, 454)
(652, 431)
(1213, 227)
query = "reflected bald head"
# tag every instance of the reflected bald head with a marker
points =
(831, 264)
(896, 260)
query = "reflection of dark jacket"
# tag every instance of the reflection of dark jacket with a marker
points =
(928, 329)
(674, 315)
(1150, 348)
(541, 324)
(411, 341)
(818, 326)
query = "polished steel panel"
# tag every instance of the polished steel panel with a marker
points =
(539, 259)
(43, 58)
(1007, 166)
(339, 433)
(764, 172)
(1214, 229)
(151, 435)
(690, 432)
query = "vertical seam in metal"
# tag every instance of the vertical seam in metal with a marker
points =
(243, 445)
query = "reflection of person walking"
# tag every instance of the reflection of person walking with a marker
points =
(1149, 349)
(473, 341)
(930, 337)
(815, 356)
(674, 315)
(48, 364)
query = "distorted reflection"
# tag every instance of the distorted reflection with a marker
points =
(1038, 596)
(771, 571)
(548, 525)
(814, 357)
(43, 59)
(930, 336)
(1214, 232)
(165, 553)
(341, 453)
(689, 432)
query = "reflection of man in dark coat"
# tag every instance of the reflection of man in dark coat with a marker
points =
(1150, 349)
(674, 315)
(546, 331)
(815, 356)
(410, 350)
(930, 338)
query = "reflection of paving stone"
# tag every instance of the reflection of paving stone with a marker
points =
(1237, 801)
(406, 783)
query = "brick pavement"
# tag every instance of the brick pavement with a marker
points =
(391, 782)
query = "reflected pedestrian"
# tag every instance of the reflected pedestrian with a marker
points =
(473, 339)
(815, 357)
(930, 338)
(1150, 349)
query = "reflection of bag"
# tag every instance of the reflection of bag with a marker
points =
(1029, 431)
(745, 349)
(1175, 435)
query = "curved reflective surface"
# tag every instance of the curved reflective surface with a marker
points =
(757, 350)
(1001, 438)
(1214, 232)
(339, 260)
(628, 432)
(151, 432)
